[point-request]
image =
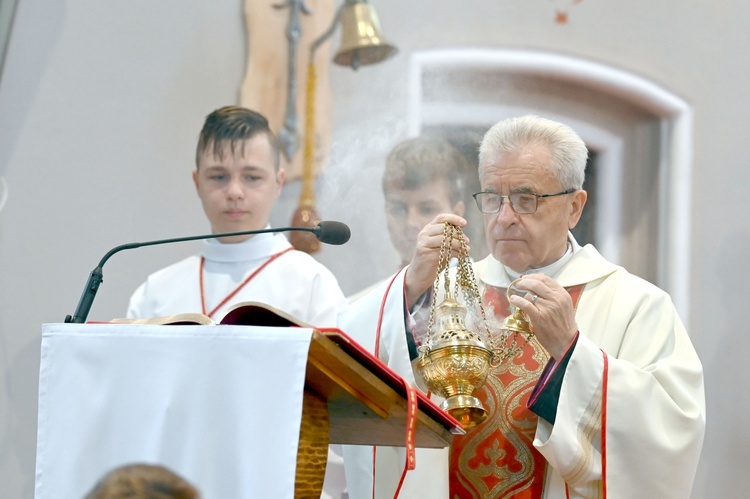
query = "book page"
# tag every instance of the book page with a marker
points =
(172, 320)
(259, 314)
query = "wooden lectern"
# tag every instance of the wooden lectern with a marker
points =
(214, 404)
(352, 398)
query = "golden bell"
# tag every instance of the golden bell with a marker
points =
(455, 363)
(361, 40)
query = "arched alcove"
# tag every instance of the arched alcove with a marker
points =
(641, 135)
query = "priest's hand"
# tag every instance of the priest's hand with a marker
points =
(550, 310)
(421, 272)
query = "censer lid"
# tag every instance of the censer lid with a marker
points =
(517, 323)
(451, 326)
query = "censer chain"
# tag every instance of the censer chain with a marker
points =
(445, 246)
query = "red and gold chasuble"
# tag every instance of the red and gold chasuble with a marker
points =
(497, 459)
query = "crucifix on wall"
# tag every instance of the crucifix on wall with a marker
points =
(279, 35)
(287, 80)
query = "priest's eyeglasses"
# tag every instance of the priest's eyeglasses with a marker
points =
(523, 203)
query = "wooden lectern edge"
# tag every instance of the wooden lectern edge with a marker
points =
(338, 364)
(345, 376)
(389, 376)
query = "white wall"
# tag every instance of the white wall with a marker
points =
(101, 103)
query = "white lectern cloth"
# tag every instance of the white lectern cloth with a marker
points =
(220, 405)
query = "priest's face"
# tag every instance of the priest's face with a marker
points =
(533, 240)
(409, 210)
(239, 188)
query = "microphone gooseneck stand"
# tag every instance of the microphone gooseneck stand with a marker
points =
(327, 232)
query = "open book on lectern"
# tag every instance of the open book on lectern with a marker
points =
(247, 313)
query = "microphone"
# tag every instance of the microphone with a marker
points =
(329, 232)
(332, 232)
